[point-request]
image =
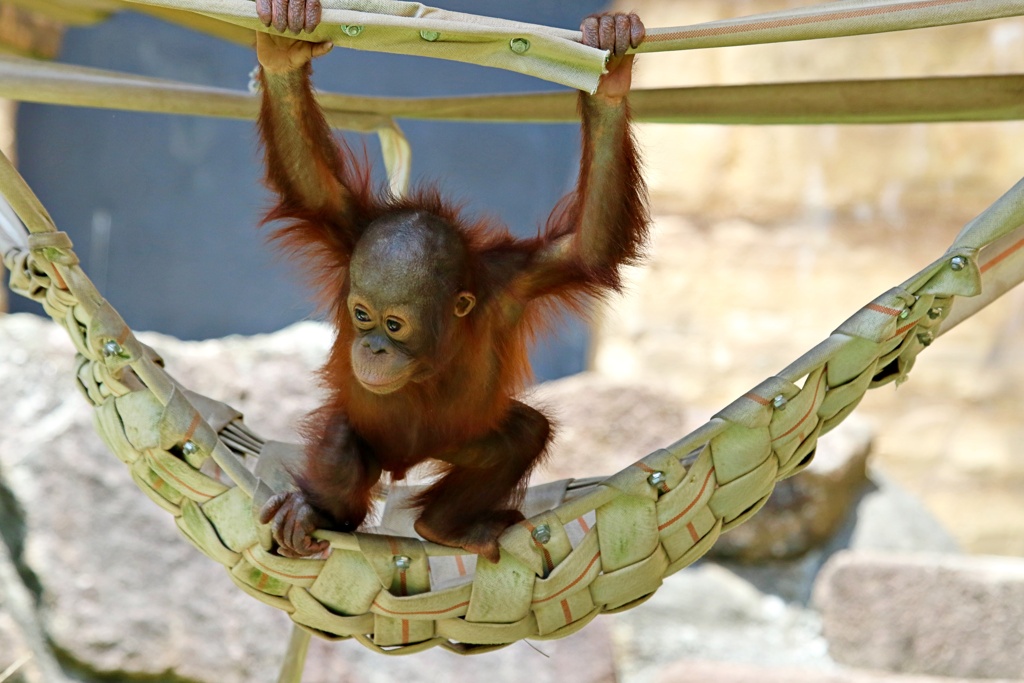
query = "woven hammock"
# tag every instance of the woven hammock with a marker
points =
(596, 546)
(588, 547)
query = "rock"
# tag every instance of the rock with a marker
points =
(587, 656)
(15, 656)
(933, 614)
(718, 672)
(709, 612)
(269, 377)
(809, 508)
(603, 425)
(24, 657)
(887, 518)
(883, 518)
(122, 593)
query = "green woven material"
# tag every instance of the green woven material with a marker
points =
(587, 548)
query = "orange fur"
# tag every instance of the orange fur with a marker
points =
(465, 415)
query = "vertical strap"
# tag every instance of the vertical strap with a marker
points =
(295, 657)
(397, 157)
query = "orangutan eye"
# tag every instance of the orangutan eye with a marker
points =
(361, 315)
(393, 325)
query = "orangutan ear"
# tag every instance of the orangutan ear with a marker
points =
(464, 303)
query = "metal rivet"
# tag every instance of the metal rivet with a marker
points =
(254, 80)
(112, 348)
(189, 448)
(780, 402)
(904, 314)
(429, 36)
(402, 562)
(958, 263)
(542, 534)
(519, 45)
(351, 30)
(926, 338)
(656, 479)
(935, 313)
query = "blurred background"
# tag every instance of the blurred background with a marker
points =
(769, 237)
(766, 238)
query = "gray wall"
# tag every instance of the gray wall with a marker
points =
(163, 209)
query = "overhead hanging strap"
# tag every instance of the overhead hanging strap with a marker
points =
(414, 29)
(31, 80)
(900, 100)
(555, 54)
(829, 20)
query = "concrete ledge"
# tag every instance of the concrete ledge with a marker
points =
(945, 615)
(722, 672)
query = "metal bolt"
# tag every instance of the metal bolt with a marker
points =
(519, 45)
(429, 36)
(402, 562)
(935, 313)
(351, 30)
(958, 263)
(780, 402)
(926, 337)
(542, 534)
(189, 448)
(656, 479)
(112, 348)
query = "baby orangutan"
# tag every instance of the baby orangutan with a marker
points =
(433, 311)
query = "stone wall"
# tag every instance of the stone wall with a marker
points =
(885, 174)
